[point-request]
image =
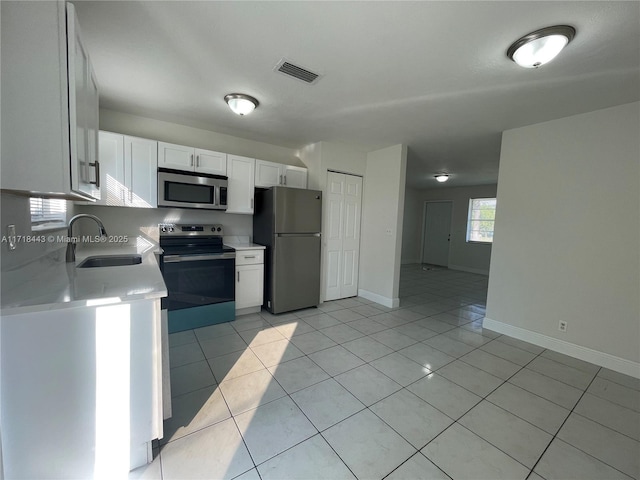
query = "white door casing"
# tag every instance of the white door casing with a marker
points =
(437, 233)
(342, 235)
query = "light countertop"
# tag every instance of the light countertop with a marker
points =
(245, 246)
(56, 285)
(241, 242)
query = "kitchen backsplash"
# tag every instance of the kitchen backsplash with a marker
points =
(144, 221)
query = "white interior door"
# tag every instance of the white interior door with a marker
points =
(437, 233)
(342, 235)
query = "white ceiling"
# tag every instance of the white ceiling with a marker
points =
(431, 75)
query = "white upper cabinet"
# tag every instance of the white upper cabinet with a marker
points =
(49, 103)
(141, 172)
(189, 159)
(128, 171)
(83, 112)
(208, 161)
(174, 156)
(111, 154)
(270, 174)
(240, 171)
(295, 177)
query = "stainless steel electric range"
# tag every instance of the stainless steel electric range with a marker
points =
(199, 273)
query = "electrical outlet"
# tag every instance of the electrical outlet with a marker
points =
(388, 231)
(562, 326)
(11, 235)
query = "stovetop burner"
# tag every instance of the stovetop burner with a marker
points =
(192, 238)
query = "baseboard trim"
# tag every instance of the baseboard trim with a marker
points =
(410, 262)
(247, 310)
(603, 359)
(462, 268)
(374, 297)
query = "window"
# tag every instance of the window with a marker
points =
(482, 214)
(48, 213)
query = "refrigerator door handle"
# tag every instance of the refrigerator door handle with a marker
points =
(298, 234)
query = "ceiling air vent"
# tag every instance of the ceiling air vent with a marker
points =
(295, 71)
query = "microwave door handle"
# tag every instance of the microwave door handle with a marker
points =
(216, 195)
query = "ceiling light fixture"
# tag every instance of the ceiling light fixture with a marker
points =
(442, 177)
(541, 46)
(240, 103)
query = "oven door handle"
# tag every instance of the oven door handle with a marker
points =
(197, 258)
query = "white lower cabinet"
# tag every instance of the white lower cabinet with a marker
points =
(249, 280)
(85, 399)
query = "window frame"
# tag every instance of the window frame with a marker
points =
(470, 212)
(47, 214)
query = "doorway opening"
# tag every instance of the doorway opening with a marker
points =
(436, 234)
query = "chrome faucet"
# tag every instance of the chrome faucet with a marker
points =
(71, 244)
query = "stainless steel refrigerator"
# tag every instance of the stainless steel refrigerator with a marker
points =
(288, 222)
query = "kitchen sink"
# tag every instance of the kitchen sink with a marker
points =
(110, 261)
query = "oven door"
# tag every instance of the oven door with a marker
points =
(189, 191)
(200, 279)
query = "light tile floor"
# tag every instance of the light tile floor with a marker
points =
(357, 390)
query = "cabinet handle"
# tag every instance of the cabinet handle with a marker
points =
(285, 179)
(280, 182)
(238, 276)
(197, 160)
(252, 204)
(249, 256)
(192, 159)
(96, 164)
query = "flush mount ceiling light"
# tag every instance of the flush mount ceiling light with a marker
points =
(442, 177)
(240, 103)
(541, 46)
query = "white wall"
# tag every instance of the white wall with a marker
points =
(567, 236)
(471, 257)
(383, 209)
(127, 124)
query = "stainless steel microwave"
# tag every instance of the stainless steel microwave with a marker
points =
(191, 190)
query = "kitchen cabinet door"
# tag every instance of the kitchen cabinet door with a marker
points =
(83, 108)
(295, 177)
(268, 174)
(240, 190)
(214, 163)
(111, 154)
(271, 174)
(141, 167)
(48, 96)
(249, 285)
(177, 157)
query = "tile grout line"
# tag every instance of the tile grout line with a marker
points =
(555, 435)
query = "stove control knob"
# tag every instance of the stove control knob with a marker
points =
(170, 229)
(219, 229)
